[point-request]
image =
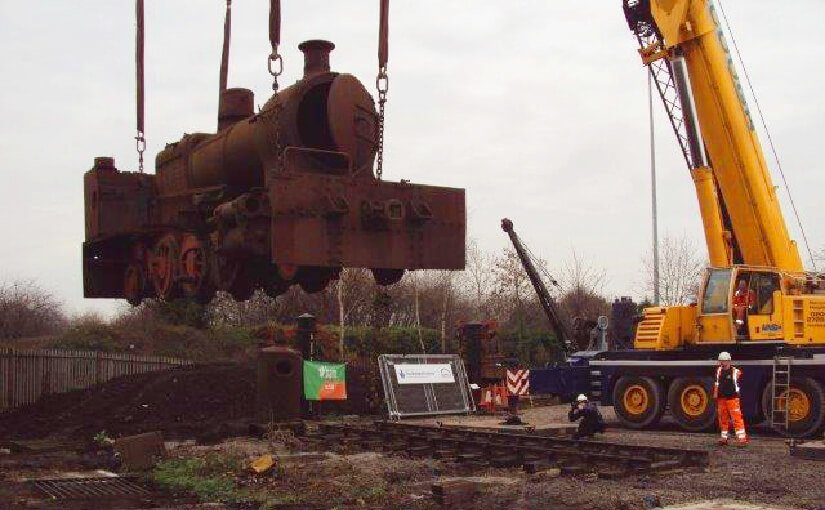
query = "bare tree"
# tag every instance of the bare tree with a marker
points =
(680, 270)
(582, 289)
(26, 310)
(479, 277)
(512, 286)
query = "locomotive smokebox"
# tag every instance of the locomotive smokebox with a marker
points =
(316, 56)
(235, 105)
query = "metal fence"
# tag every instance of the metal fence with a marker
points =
(27, 375)
(434, 394)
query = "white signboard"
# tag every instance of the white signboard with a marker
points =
(424, 374)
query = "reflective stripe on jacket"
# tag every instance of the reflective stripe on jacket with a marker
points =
(736, 375)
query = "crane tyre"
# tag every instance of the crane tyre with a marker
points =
(639, 401)
(807, 406)
(691, 403)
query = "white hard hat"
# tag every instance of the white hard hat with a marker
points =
(724, 356)
(581, 398)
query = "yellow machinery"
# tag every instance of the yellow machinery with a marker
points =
(756, 300)
(744, 228)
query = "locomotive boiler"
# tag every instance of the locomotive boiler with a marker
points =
(284, 196)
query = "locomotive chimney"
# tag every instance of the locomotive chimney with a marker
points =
(316, 56)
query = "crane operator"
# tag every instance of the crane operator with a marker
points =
(743, 299)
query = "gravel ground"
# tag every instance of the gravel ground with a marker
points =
(761, 473)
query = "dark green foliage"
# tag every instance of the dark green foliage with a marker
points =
(532, 347)
(180, 312)
(88, 336)
(364, 341)
(210, 478)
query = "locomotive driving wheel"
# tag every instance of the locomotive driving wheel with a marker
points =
(234, 275)
(164, 267)
(385, 277)
(194, 269)
(315, 279)
(134, 284)
(274, 284)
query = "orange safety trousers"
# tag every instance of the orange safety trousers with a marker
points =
(728, 409)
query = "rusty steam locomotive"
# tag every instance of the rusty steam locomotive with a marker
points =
(284, 196)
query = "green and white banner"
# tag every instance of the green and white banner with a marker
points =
(325, 381)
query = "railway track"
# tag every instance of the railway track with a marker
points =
(503, 449)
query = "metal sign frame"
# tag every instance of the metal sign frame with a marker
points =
(461, 398)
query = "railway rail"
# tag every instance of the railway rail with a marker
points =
(504, 449)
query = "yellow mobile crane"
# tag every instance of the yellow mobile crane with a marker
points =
(774, 322)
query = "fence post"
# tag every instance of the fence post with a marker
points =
(12, 379)
(98, 367)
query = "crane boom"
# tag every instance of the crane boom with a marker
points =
(548, 304)
(741, 213)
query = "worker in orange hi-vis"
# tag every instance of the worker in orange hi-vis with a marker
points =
(726, 392)
(743, 298)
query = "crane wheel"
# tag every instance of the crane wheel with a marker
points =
(691, 403)
(639, 401)
(805, 401)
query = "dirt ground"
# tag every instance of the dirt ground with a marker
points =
(183, 403)
(762, 472)
(180, 402)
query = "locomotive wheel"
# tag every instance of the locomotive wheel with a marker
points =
(164, 267)
(287, 272)
(692, 404)
(233, 275)
(639, 402)
(386, 277)
(134, 284)
(315, 279)
(194, 269)
(274, 285)
(805, 401)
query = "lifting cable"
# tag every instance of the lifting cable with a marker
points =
(275, 63)
(542, 268)
(227, 35)
(140, 139)
(767, 131)
(382, 81)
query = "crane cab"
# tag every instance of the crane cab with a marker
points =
(740, 305)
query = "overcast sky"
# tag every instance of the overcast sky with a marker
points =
(537, 108)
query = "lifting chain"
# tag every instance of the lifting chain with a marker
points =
(279, 150)
(140, 139)
(141, 148)
(382, 83)
(275, 63)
